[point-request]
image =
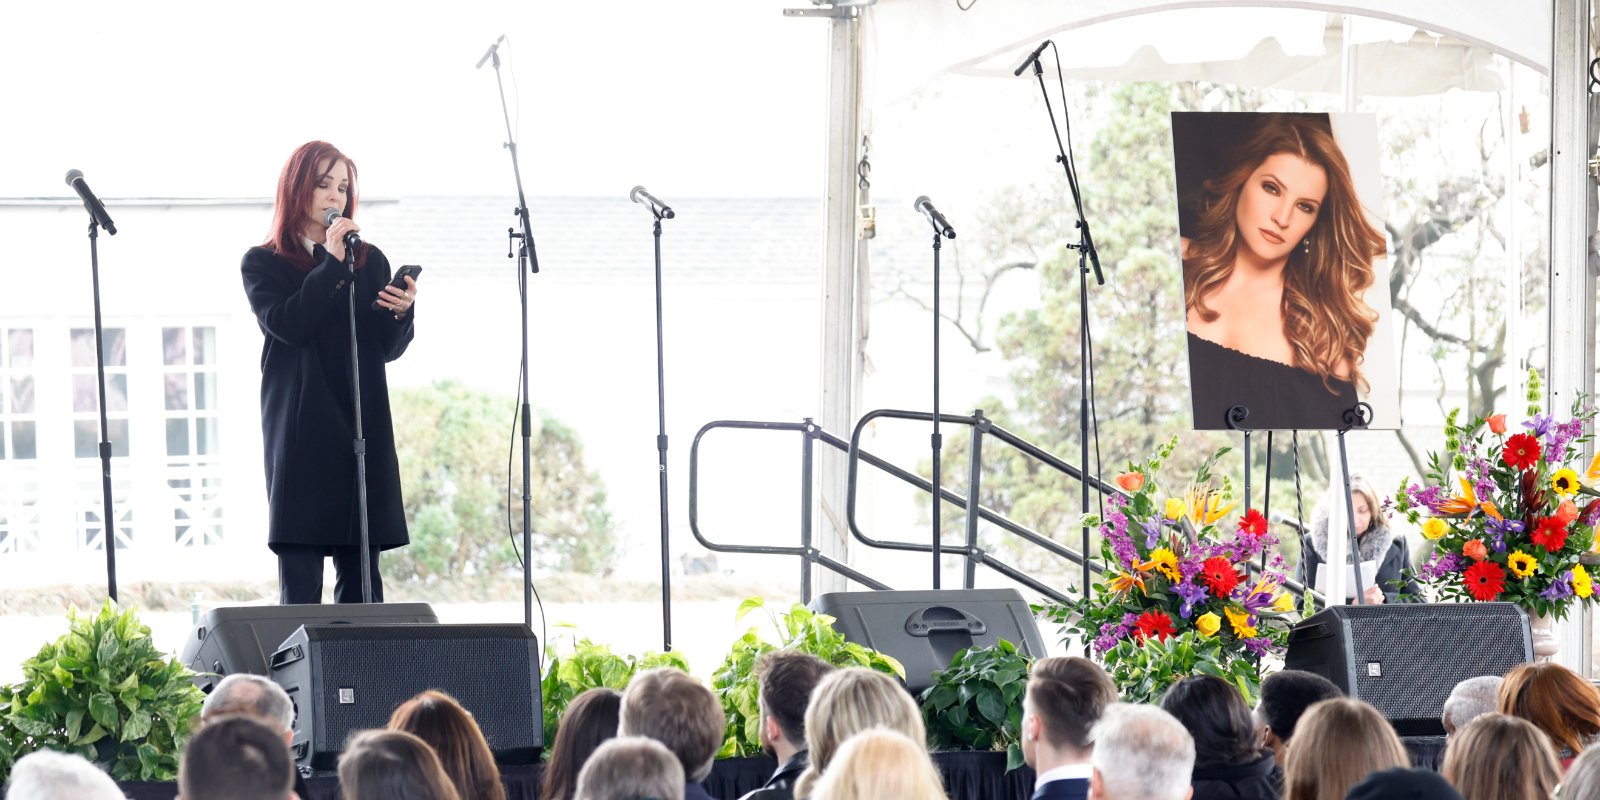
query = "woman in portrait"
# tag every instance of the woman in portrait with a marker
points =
(1275, 267)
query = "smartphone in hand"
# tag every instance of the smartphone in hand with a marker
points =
(399, 280)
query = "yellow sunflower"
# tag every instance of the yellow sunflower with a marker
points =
(1166, 563)
(1564, 482)
(1240, 620)
(1582, 584)
(1522, 565)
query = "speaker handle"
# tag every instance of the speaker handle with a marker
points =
(919, 625)
(1303, 633)
(285, 657)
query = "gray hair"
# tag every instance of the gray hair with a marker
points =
(631, 768)
(48, 775)
(252, 696)
(1582, 781)
(1142, 753)
(1471, 699)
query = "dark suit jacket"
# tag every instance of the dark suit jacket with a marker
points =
(1074, 789)
(781, 785)
(695, 790)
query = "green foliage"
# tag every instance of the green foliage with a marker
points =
(1144, 672)
(453, 443)
(976, 704)
(800, 629)
(102, 691)
(590, 666)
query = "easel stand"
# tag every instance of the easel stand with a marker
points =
(1358, 417)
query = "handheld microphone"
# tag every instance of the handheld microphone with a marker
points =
(96, 209)
(941, 226)
(351, 240)
(660, 209)
(490, 52)
(1033, 57)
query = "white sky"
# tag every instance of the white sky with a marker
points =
(721, 97)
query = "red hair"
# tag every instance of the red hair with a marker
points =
(295, 186)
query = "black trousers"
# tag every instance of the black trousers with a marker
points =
(300, 573)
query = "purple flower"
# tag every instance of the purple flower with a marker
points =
(1192, 595)
(1430, 497)
(1540, 425)
(1555, 449)
(1259, 599)
(1152, 533)
(1258, 646)
(1593, 516)
(1498, 528)
(1442, 564)
(1561, 589)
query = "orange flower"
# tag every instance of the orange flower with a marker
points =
(1497, 423)
(1475, 550)
(1567, 512)
(1463, 504)
(1131, 481)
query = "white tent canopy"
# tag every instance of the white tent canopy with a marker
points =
(1284, 44)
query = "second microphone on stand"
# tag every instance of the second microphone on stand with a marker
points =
(658, 208)
(941, 226)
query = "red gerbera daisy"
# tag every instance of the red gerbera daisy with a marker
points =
(1253, 523)
(1485, 580)
(1522, 451)
(1157, 624)
(1551, 533)
(1219, 575)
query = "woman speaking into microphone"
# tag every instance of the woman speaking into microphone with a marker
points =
(298, 283)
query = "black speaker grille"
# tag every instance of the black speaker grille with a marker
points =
(491, 677)
(1406, 665)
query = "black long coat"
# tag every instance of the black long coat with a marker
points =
(306, 410)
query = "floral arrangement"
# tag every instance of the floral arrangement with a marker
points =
(1515, 530)
(1178, 600)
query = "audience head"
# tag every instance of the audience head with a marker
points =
(1497, 756)
(236, 758)
(1064, 699)
(1140, 753)
(848, 702)
(392, 765)
(1472, 698)
(1216, 715)
(590, 719)
(786, 679)
(1582, 781)
(252, 696)
(631, 768)
(1337, 744)
(48, 775)
(436, 718)
(1285, 696)
(678, 711)
(1557, 701)
(879, 763)
(1404, 783)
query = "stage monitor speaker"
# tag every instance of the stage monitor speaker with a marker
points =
(348, 678)
(1404, 659)
(239, 638)
(925, 629)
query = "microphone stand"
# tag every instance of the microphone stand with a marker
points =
(936, 439)
(527, 262)
(1086, 256)
(661, 449)
(359, 444)
(108, 522)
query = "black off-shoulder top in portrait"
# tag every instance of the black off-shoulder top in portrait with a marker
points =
(1280, 397)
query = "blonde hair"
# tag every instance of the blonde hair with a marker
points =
(1356, 732)
(1325, 317)
(879, 763)
(850, 701)
(1498, 756)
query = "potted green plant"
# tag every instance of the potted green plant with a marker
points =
(105, 692)
(976, 703)
(800, 629)
(589, 666)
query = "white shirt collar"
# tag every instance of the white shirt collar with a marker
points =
(1067, 772)
(308, 244)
